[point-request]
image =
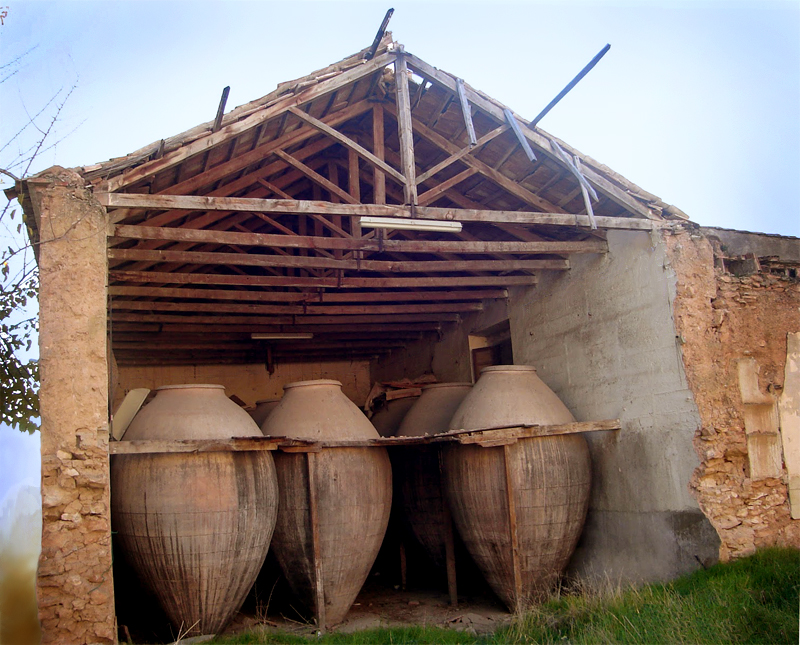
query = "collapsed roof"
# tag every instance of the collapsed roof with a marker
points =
(258, 223)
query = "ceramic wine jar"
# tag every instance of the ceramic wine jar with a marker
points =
(196, 527)
(334, 503)
(519, 507)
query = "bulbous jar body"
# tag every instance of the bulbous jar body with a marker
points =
(519, 507)
(196, 527)
(417, 470)
(348, 490)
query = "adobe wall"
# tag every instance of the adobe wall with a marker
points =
(250, 382)
(74, 584)
(602, 337)
(731, 327)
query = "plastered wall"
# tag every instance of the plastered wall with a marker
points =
(602, 336)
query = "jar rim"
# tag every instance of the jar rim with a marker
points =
(508, 368)
(191, 386)
(323, 381)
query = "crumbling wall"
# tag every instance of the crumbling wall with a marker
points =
(74, 585)
(731, 327)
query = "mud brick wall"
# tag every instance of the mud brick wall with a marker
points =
(74, 586)
(726, 322)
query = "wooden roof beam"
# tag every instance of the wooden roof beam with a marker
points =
(211, 140)
(352, 244)
(293, 321)
(345, 282)
(405, 130)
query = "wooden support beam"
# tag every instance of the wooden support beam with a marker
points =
(285, 320)
(280, 106)
(315, 176)
(523, 142)
(348, 143)
(242, 204)
(305, 297)
(405, 132)
(265, 240)
(436, 192)
(200, 258)
(466, 111)
(346, 282)
(461, 153)
(220, 110)
(414, 330)
(379, 147)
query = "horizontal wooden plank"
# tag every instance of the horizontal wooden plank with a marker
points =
(269, 260)
(285, 320)
(351, 244)
(309, 297)
(237, 444)
(253, 205)
(294, 310)
(345, 282)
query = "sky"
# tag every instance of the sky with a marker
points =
(698, 101)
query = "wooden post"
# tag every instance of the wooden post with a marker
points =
(313, 511)
(378, 149)
(405, 131)
(449, 541)
(512, 529)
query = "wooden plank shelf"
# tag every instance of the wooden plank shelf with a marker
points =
(488, 437)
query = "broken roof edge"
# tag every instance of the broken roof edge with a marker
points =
(103, 170)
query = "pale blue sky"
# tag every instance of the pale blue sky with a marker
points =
(697, 101)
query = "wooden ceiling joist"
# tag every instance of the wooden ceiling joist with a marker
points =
(295, 310)
(338, 283)
(293, 321)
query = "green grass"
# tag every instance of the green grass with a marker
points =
(753, 600)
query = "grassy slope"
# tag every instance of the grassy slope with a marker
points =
(753, 600)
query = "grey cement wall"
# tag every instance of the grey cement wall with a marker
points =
(602, 337)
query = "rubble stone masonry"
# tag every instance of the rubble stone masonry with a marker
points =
(74, 586)
(725, 322)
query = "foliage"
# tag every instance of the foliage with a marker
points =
(19, 277)
(753, 600)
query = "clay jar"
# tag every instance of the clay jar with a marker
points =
(263, 409)
(519, 507)
(196, 527)
(388, 419)
(334, 504)
(417, 470)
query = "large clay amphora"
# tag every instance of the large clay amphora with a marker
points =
(519, 507)
(388, 419)
(196, 527)
(417, 471)
(334, 504)
(263, 409)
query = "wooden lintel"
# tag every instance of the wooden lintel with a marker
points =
(370, 319)
(405, 132)
(347, 282)
(350, 244)
(466, 111)
(200, 258)
(244, 204)
(348, 143)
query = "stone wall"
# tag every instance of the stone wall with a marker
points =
(734, 329)
(74, 585)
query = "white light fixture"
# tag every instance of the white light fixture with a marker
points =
(403, 224)
(281, 336)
